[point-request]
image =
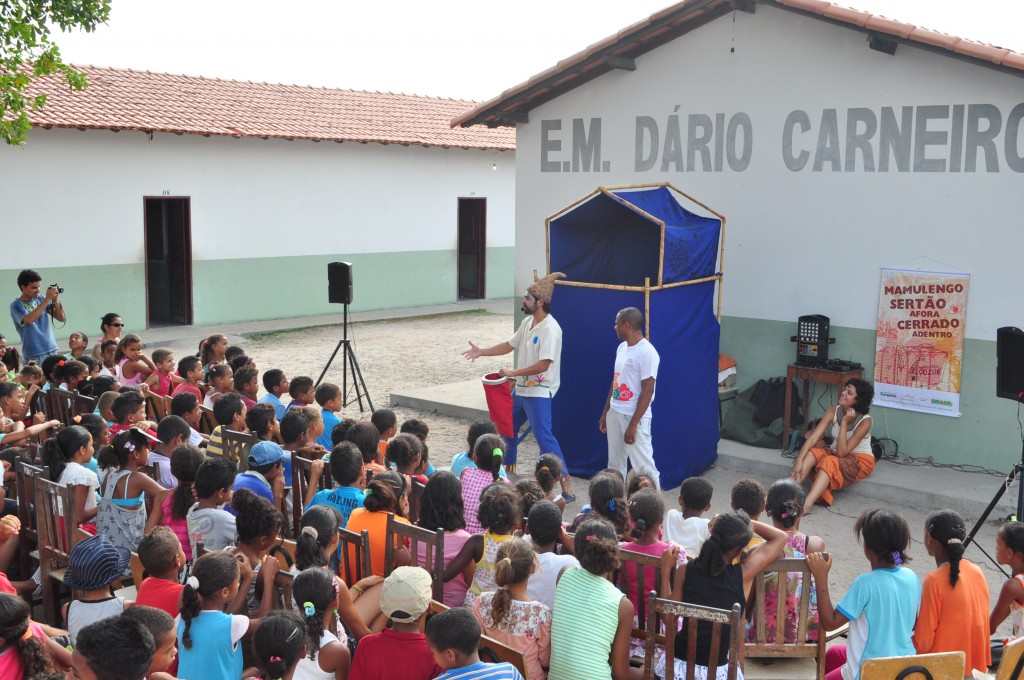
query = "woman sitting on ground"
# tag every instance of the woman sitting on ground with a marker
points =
(843, 458)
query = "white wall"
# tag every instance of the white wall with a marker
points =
(800, 242)
(250, 197)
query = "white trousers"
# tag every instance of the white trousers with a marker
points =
(640, 453)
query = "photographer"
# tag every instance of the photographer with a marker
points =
(29, 315)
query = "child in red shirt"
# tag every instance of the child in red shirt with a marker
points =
(405, 599)
(161, 555)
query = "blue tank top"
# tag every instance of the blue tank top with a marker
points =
(212, 656)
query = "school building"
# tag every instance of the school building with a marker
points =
(172, 199)
(837, 143)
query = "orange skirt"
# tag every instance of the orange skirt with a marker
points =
(841, 471)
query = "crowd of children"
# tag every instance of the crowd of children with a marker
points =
(205, 527)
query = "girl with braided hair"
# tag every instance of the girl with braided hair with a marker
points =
(316, 594)
(712, 580)
(646, 513)
(954, 597)
(488, 453)
(280, 645)
(509, 615)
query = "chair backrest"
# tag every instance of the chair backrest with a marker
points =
(284, 581)
(207, 423)
(1013, 656)
(236, 447)
(669, 611)
(919, 667)
(645, 580)
(415, 500)
(60, 405)
(492, 651)
(82, 404)
(156, 407)
(138, 571)
(355, 555)
(426, 548)
(301, 469)
(41, 404)
(795, 634)
(151, 470)
(55, 517)
(25, 483)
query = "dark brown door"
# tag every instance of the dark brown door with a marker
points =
(472, 247)
(168, 261)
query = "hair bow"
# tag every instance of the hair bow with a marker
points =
(274, 659)
(953, 540)
(192, 582)
(896, 559)
(311, 531)
(309, 609)
(130, 445)
(611, 505)
(60, 363)
(77, 419)
(497, 453)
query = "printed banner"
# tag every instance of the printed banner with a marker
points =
(920, 346)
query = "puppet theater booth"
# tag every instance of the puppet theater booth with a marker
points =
(637, 246)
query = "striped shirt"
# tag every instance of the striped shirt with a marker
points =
(481, 670)
(586, 617)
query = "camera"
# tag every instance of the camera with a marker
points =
(57, 286)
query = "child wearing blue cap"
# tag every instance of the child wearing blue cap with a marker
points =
(265, 476)
(95, 563)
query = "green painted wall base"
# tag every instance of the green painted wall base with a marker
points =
(230, 291)
(986, 434)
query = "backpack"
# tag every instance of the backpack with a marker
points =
(769, 398)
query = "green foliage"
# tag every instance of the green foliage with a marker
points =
(26, 53)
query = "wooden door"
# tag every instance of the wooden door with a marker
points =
(472, 256)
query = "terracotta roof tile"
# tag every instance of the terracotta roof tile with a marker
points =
(122, 99)
(677, 20)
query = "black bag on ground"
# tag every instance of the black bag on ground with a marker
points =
(769, 398)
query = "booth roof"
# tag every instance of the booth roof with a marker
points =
(123, 99)
(618, 51)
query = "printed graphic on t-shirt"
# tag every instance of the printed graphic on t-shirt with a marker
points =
(621, 391)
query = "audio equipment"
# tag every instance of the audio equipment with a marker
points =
(339, 283)
(1010, 363)
(812, 340)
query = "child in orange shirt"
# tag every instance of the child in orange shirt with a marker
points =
(954, 598)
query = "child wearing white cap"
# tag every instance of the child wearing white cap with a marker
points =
(405, 599)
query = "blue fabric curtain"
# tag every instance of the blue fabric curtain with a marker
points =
(685, 332)
(604, 241)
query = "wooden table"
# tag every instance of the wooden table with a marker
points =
(810, 375)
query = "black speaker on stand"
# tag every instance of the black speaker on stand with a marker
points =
(339, 291)
(1009, 385)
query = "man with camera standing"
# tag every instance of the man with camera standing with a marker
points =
(29, 313)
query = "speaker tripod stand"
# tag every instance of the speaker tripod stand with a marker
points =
(348, 361)
(1013, 474)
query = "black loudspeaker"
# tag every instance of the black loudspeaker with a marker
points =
(339, 283)
(1010, 363)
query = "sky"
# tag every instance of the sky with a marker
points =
(462, 49)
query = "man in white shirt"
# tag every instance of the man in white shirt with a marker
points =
(627, 412)
(539, 341)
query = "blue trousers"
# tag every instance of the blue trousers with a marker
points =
(538, 411)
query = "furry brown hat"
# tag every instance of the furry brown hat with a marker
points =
(544, 287)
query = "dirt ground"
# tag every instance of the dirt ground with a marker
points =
(426, 351)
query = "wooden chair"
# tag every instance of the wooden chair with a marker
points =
(426, 548)
(28, 537)
(207, 423)
(415, 499)
(492, 651)
(81, 405)
(236, 447)
(355, 555)
(288, 548)
(152, 470)
(301, 471)
(1010, 666)
(943, 666)
(659, 609)
(797, 658)
(138, 571)
(60, 405)
(156, 407)
(41, 404)
(284, 582)
(57, 527)
(641, 563)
